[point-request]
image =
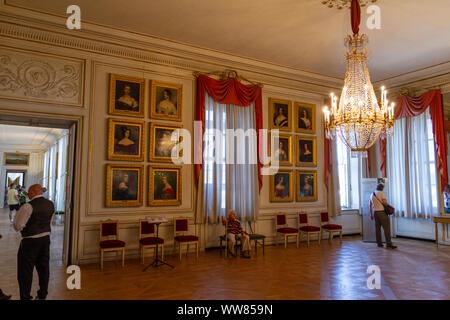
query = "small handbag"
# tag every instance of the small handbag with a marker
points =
(389, 210)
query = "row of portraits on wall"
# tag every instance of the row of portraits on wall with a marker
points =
(282, 186)
(280, 116)
(127, 97)
(125, 185)
(305, 150)
(126, 140)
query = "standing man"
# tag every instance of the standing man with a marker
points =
(13, 200)
(377, 202)
(33, 221)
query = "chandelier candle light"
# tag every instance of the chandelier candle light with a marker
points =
(358, 119)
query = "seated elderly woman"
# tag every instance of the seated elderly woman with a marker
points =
(234, 230)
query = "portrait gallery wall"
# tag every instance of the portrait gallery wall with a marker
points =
(297, 149)
(126, 143)
(296, 146)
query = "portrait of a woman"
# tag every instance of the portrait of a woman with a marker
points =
(304, 121)
(167, 191)
(280, 120)
(165, 105)
(124, 144)
(306, 153)
(280, 188)
(307, 188)
(126, 101)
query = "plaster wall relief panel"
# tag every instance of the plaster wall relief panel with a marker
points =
(39, 77)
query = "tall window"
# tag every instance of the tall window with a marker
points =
(349, 175)
(230, 167)
(411, 167)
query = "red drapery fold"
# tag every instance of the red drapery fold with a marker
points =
(355, 16)
(229, 91)
(408, 106)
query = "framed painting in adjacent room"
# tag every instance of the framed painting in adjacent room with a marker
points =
(126, 96)
(16, 159)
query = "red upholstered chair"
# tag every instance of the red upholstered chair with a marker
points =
(283, 230)
(305, 228)
(147, 238)
(330, 228)
(181, 225)
(109, 241)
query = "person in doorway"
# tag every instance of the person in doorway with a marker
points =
(13, 201)
(33, 222)
(23, 196)
(2, 295)
(377, 203)
(234, 230)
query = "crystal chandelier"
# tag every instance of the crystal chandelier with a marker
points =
(358, 119)
(345, 3)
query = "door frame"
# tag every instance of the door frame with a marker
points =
(24, 171)
(63, 121)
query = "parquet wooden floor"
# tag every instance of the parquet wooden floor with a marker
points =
(416, 270)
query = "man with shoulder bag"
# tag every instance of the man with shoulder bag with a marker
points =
(379, 204)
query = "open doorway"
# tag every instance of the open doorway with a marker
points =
(48, 150)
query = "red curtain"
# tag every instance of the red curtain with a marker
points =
(408, 106)
(229, 91)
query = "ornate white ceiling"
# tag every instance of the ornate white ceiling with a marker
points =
(302, 34)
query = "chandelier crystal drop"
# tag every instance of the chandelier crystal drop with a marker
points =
(358, 119)
(340, 4)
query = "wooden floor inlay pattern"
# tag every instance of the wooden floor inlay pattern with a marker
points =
(416, 270)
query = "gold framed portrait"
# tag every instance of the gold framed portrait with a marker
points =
(166, 100)
(125, 140)
(124, 185)
(306, 155)
(305, 117)
(165, 186)
(283, 150)
(280, 116)
(16, 159)
(161, 143)
(306, 190)
(282, 186)
(126, 96)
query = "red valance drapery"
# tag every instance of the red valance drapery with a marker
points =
(229, 91)
(408, 106)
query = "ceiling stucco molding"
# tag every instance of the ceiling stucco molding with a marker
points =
(22, 147)
(122, 44)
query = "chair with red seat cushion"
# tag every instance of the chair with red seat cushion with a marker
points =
(109, 241)
(180, 226)
(147, 239)
(283, 230)
(325, 226)
(304, 228)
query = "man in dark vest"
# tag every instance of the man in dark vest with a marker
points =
(33, 221)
